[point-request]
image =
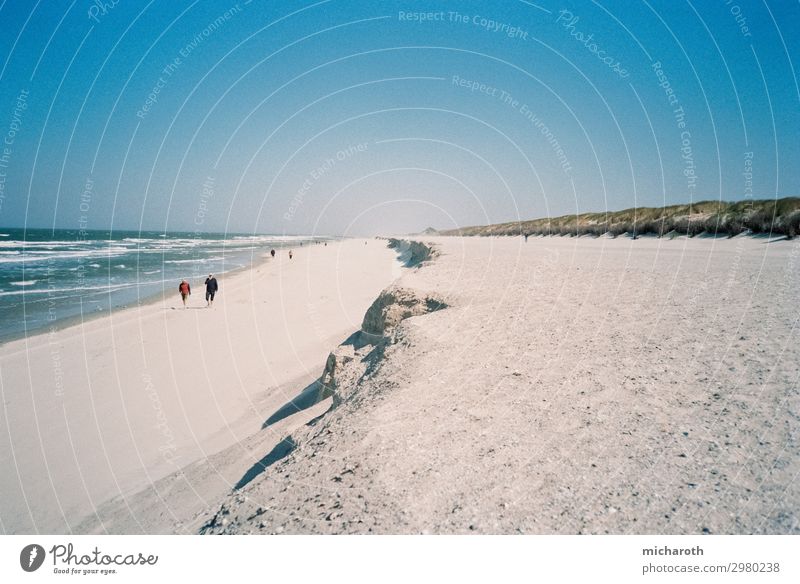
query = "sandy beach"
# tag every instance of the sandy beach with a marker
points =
(571, 385)
(563, 385)
(101, 411)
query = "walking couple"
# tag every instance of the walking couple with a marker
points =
(211, 289)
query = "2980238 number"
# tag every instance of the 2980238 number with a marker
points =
(765, 567)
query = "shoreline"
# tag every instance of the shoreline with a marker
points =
(80, 320)
(108, 407)
(142, 301)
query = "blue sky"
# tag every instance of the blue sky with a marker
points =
(377, 117)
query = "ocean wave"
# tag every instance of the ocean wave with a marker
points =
(81, 290)
(191, 261)
(18, 251)
(270, 239)
(24, 283)
(43, 244)
(31, 256)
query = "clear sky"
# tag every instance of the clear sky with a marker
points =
(345, 117)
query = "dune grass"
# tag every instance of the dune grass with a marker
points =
(772, 217)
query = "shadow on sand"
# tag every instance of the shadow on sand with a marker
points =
(309, 397)
(281, 450)
(302, 401)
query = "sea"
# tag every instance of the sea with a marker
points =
(53, 278)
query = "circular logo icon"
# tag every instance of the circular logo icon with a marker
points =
(31, 557)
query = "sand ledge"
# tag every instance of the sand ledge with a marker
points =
(572, 386)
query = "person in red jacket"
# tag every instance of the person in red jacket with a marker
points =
(185, 291)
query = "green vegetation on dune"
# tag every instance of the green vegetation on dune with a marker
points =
(776, 217)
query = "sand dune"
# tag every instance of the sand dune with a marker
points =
(107, 409)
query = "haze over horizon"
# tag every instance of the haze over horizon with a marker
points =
(390, 117)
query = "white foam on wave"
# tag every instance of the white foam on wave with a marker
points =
(43, 244)
(30, 256)
(273, 238)
(24, 283)
(79, 289)
(192, 261)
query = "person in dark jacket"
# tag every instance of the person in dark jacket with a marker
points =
(185, 291)
(211, 289)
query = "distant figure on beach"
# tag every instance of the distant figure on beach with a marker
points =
(526, 238)
(272, 252)
(185, 291)
(211, 289)
(290, 254)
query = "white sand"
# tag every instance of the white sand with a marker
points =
(106, 408)
(572, 386)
